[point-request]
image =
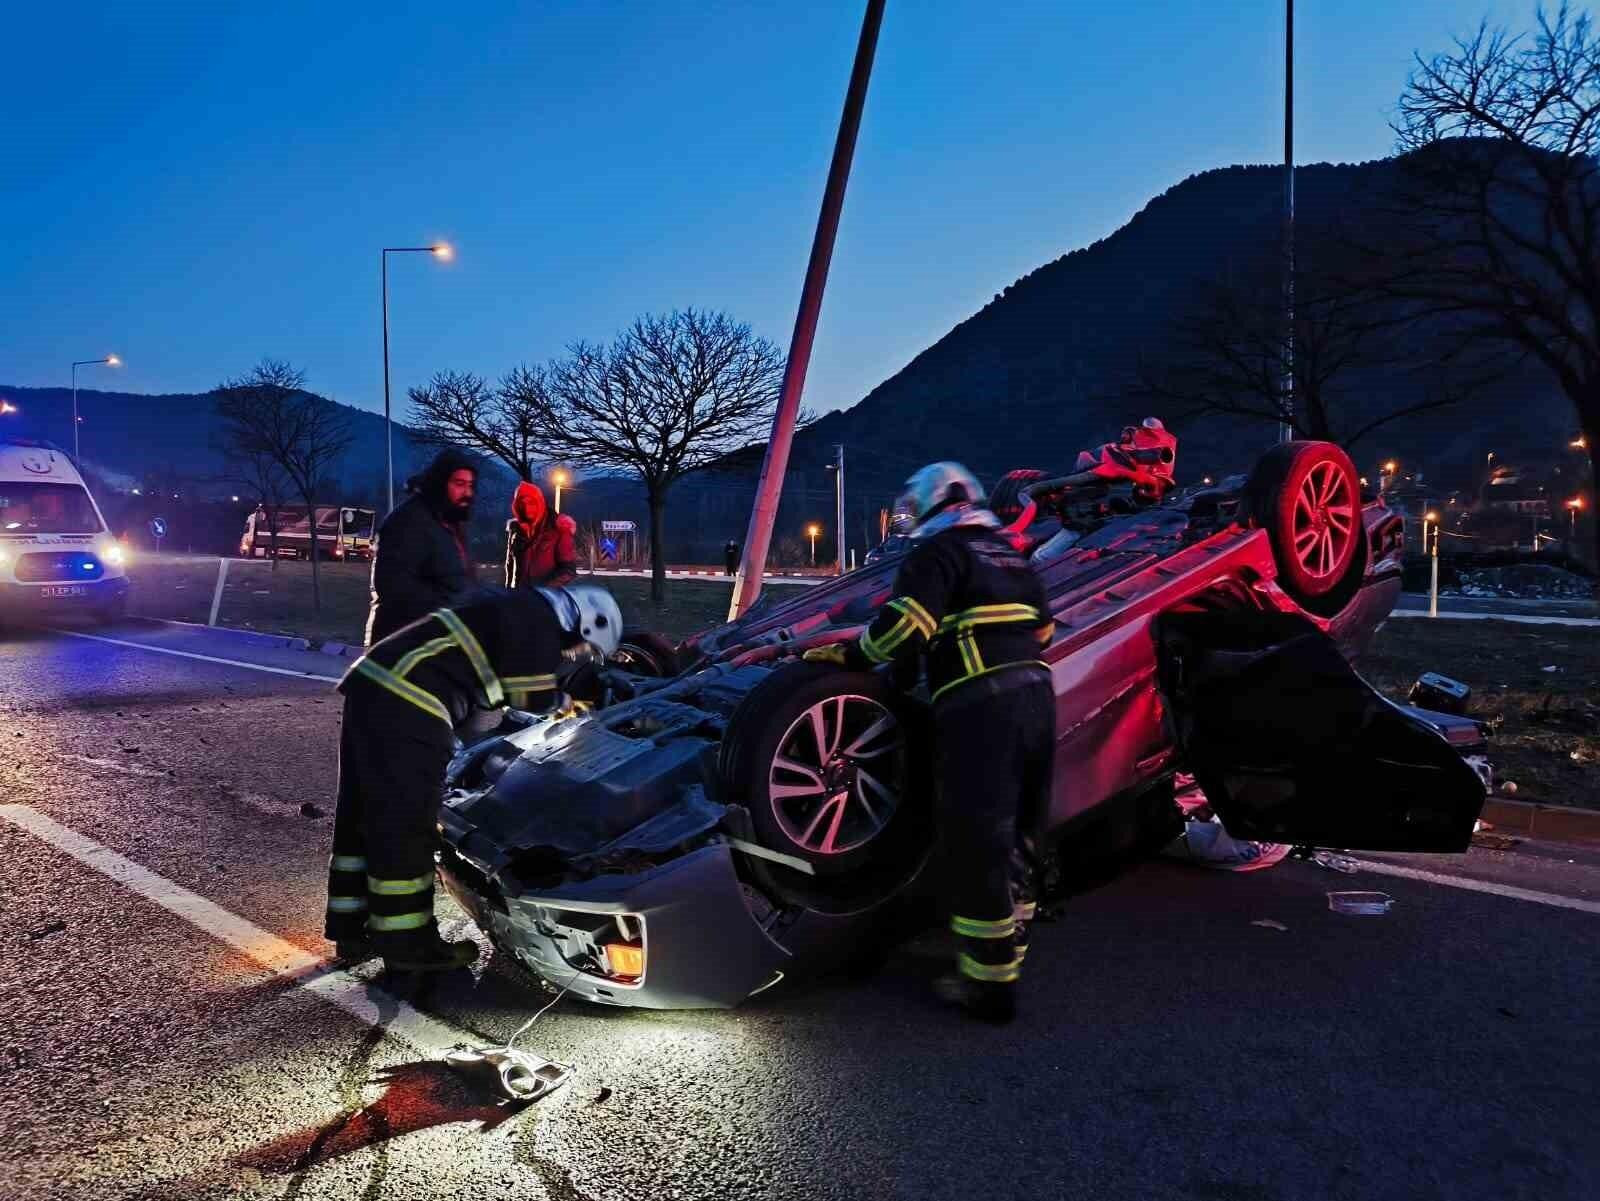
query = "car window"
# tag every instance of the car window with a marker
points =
(29, 508)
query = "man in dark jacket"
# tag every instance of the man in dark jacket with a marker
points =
(421, 561)
(541, 550)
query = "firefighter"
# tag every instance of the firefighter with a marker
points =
(969, 602)
(541, 551)
(404, 701)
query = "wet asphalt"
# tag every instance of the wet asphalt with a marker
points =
(1171, 1044)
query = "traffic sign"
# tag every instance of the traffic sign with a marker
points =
(618, 527)
(158, 527)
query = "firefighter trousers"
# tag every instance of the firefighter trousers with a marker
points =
(392, 761)
(994, 740)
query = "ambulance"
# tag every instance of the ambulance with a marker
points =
(56, 555)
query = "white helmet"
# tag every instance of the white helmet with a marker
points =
(590, 612)
(936, 487)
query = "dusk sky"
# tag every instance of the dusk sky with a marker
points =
(194, 186)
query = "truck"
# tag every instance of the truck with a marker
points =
(344, 532)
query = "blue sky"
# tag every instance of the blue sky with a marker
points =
(194, 185)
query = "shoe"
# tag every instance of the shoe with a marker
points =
(353, 950)
(429, 953)
(996, 1003)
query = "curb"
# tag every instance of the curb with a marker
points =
(1557, 823)
(283, 642)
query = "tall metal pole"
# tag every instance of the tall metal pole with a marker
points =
(770, 486)
(1286, 427)
(388, 427)
(74, 412)
(838, 502)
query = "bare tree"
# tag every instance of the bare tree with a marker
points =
(1228, 355)
(509, 421)
(267, 414)
(669, 396)
(1503, 197)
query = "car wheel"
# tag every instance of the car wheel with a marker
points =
(1307, 496)
(1006, 499)
(832, 766)
(647, 654)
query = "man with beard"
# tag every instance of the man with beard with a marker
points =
(421, 561)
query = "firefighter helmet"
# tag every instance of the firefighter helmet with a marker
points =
(589, 612)
(935, 488)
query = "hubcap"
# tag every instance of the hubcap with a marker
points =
(1324, 520)
(835, 781)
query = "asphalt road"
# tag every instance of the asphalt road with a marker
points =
(1171, 1045)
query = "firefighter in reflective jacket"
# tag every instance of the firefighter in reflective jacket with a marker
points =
(404, 701)
(970, 603)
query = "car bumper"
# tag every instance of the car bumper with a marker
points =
(62, 598)
(703, 946)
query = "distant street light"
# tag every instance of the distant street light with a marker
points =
(442, 252)
(559, 478)
(1579, 443)
(1430, 517)
(813, 531)
(1573, 506)
(110, 360)
(7, 407)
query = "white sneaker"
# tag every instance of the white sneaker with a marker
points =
(1207, 844)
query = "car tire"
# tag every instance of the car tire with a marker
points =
(1307, 496)
(1006, 499)
(647, 654)
(861, 821)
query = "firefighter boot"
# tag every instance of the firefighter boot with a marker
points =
(423, 950)
(985, 1000)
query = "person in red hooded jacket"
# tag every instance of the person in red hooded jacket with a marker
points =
(540, 545)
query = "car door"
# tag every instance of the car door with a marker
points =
(1289, 744)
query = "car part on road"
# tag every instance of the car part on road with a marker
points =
(1360, 904)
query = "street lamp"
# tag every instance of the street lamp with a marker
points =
(110, 360)
(7, 407)
(1573, 506)
(1432, 518)
(440, 251)
(1579, 443)
(813, 531)
(560, 479)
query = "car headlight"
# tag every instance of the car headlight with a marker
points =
(114, 555)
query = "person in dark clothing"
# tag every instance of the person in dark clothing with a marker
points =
(420, 561)
(404, 701)
(541, 550)
(970, 603)
(730, 556)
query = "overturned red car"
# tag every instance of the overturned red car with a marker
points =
(729, 816)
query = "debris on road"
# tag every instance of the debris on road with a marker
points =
(1266, 923)
(1360, 904)
(46, 930)
(307, 809)
(1331, 860)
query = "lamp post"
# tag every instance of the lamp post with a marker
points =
(110, 360)
(559, 478)
(837, 467)
(813, 531)
(1432, 518)
(441, 251)
(1573, 506)
(7, 407)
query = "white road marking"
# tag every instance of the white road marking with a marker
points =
(1527, 619)
(282, 958)
(1471, 885)
(167, 650)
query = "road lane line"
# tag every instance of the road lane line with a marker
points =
(167, 650)
(1471, 885)
(1526, 619)
(282, 958)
